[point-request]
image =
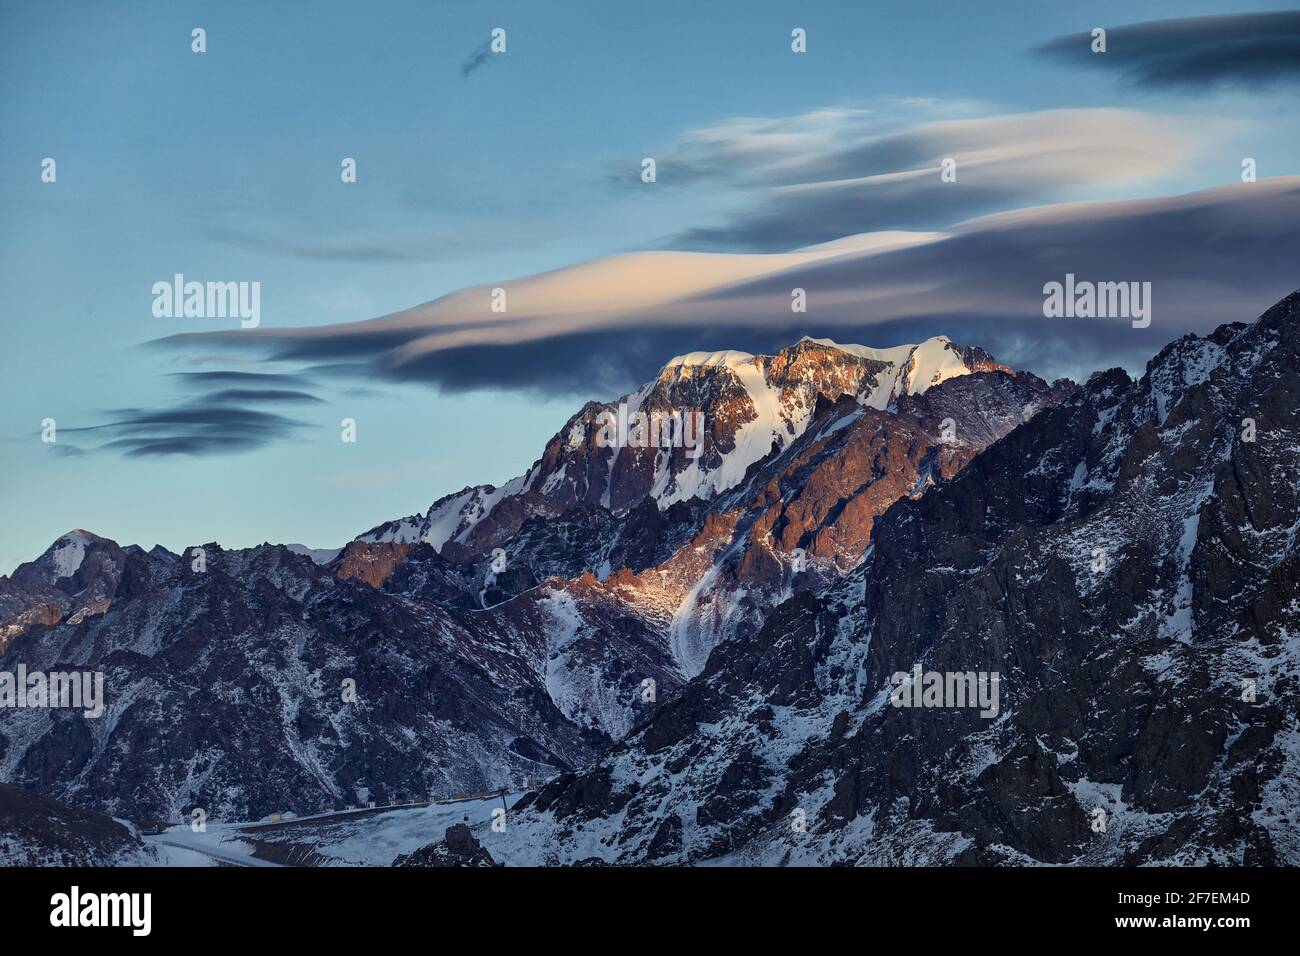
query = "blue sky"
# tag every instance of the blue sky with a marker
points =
(225, 166)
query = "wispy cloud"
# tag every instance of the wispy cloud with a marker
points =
(190, 430)
(1251, 50)
(240, 378)
(1219, 255)
(214, 422)
(817, 176)
(273, 395)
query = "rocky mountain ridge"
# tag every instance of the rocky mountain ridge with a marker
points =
(474, 667)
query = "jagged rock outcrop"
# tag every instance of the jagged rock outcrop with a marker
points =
(459, 848)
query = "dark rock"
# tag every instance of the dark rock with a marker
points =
(458, 848)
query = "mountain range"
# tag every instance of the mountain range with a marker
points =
(693, 643)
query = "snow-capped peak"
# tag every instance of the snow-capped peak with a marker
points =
(751, 405)
(731, 358)
(917, 367)
(933, 361)
(895, 355)
(67, 553)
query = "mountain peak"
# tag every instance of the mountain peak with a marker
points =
(80, 534)
(893, 355)
(855, 349)
(731, 358)
(936, 354)
(749, 406)
(68, 551)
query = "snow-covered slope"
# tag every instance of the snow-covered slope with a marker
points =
(450, 518)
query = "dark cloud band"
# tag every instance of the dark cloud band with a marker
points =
(1246, 50)
(209, 425)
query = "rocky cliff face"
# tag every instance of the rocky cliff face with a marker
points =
(1127, 563)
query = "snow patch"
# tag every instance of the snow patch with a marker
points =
(68, 555)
